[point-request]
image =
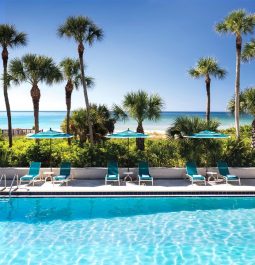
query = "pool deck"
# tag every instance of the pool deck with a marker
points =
(162, 187)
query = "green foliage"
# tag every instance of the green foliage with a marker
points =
(248, 52)
(101, 120)
(247, 102)
(141, 106)
(237, 22)
(187, 126)
(81, 28)
(33, 68)
(10, 37)
(207, 66)
(158, 152)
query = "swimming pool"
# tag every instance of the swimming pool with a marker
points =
(127, 231)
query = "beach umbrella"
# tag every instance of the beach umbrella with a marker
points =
(128, 134)
(207, 135)
(51, 135)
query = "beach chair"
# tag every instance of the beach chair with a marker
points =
(33, 173)
(64, 174)
(224, 172)
(143, 173)
(191, 173)
(112, 174)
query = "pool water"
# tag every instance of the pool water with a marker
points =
(127, 231)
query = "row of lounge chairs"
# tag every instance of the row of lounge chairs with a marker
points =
(65, 173)
(192, 173)
(34, 173)
(113, 175)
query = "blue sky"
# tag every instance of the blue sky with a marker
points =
(148, 44)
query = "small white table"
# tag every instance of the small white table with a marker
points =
(128, 176)
(48, 175)
(211, 176)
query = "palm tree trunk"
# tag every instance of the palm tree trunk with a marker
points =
(253, 134)
(140, 141)
(237, 84)
(6, 98)
(81, 51)
(36, 94)
(208, 92)
(69, 90)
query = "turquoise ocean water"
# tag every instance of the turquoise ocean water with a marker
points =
(128, 231)
(53, 119)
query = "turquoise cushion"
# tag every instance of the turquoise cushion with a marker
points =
(198, 177)
(112, 176)
(60, 177)
(231, 177)
(146, 177)
(28, 177)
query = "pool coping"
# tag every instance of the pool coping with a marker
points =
(117, 194)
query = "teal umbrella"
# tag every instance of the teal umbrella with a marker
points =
(207, 135)
(127, 135)
(50, 134)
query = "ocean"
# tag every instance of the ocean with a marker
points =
(53, 119)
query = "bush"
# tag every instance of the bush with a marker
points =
(158, 152)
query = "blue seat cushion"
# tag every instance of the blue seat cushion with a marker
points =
(145, 177)
(231, 177)
(28, 177)
(112, 177)
(60, 177)
(198, 177)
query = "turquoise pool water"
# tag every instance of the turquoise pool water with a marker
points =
(127, 231)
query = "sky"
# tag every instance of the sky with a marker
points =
(147, 44)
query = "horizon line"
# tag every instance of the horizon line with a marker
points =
(110, 110)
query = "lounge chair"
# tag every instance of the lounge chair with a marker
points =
(191, 173)
(112, 174)
(143, 173)
(224, 172)
(33, 173)
(64, 174)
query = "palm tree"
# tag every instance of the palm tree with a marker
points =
(140, 106)
(195, 149)
(249, 51)
(83, 31)
(35, 69)
(247, 105)
(72, 74)
(188, 125)
(238, 23)
(9, 38)
(103, 123)
(207, 67)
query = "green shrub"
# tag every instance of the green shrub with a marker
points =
(158, 152)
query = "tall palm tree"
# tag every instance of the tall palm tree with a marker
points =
(249, 51)
(9, 38)
(83, 31)
(72, 74)
(35, 69)
(140, 106)
(247, 105)
(238, 23)
(207, 67)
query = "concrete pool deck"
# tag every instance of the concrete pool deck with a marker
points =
(162, 187)
(89, 182)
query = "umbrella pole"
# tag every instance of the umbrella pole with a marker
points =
(50, 156)
(128, 154)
